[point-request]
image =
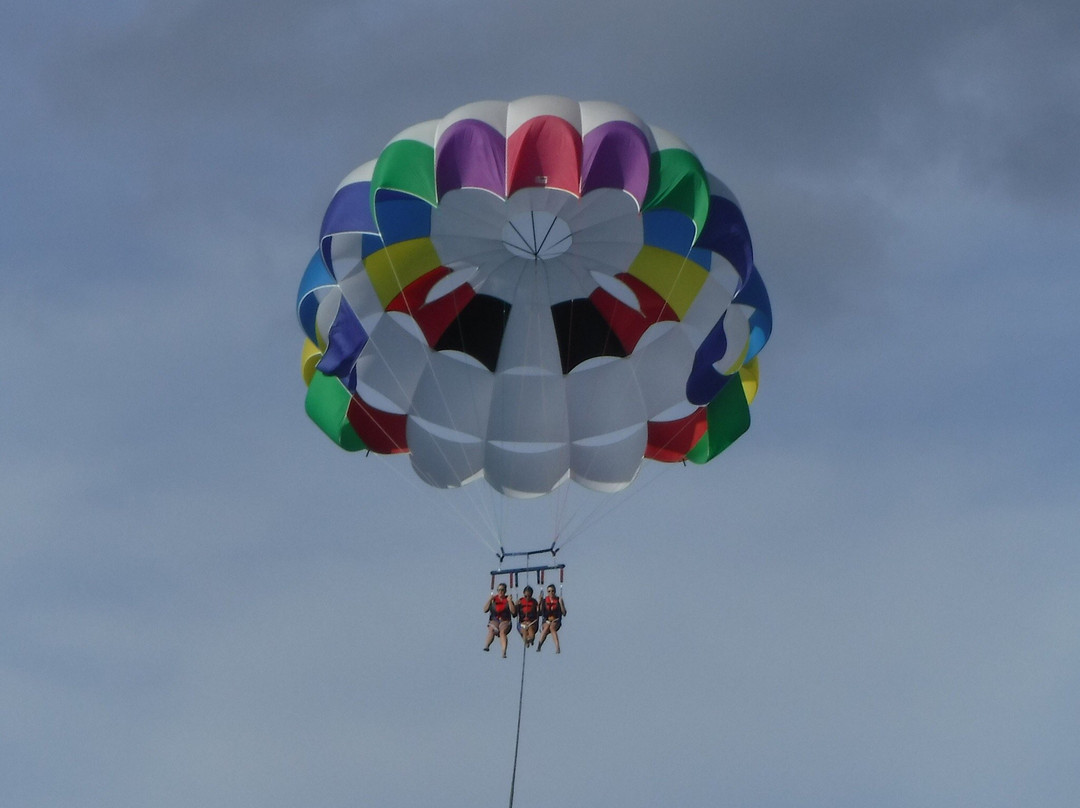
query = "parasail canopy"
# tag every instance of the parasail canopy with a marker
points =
(533, 292)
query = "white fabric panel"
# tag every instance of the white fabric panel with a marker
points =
(603, 396)
(610, 467)
(604, 205)
(717, 187)
(603, 248)
(724, 274)
(607, 229)
(502, 279)
(454, 394)
(362, 173)
(528, 410)
(520, 111)
(597, 113)
(363, 299)
(565, 280)
(527, 451)
(662, 362)
(517, 475)
(423, 132)
(441, 461)
(666, 140)
(467, 230)
(737, 331)
(391, 363)
(529, 340)
(710, 304)
(492, 113)
(346, 253)
(449, 416)
(467, 221)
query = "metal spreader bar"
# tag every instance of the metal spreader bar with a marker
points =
(539, 569)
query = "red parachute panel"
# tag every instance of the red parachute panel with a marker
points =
(669, 441)
(383, 432)
(544, 152)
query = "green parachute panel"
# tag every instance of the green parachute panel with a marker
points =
(409, 166)
(677, 181)
(326, 404)
(728, 417)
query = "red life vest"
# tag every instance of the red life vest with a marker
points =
(527, 608)
(552, 609)
(500, 607)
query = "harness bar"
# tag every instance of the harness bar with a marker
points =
(552, 550)
(538, 569)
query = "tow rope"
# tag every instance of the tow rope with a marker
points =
(517, 738)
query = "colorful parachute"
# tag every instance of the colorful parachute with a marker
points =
(530, 292)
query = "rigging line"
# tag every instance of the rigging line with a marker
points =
(473, 496)
(449, 503)
(470, 522)
(517, 739)
(590, 519)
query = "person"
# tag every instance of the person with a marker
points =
(528, 615)
(552, 611)
(500, 609)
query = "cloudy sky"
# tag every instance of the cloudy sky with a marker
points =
(871, 599)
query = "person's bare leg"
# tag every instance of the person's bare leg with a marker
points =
(555, 639)
(490, 637)
(502, 639)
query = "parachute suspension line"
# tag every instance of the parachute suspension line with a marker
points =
(479, 521)
(454, 507)
(480, 513)
(560, 501)
(517, 737)
(591, 518)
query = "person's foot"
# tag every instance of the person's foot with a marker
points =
(504, 655)
(486, 648)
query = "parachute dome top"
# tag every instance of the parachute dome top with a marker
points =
(531, 292)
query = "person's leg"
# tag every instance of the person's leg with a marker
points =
(555, 638)
(490, 637)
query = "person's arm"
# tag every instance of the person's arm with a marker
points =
(562, 605)
(487, 604)
(513, 607)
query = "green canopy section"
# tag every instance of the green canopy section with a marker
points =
(409, 166)
(327, 404)
(728, 416)
(677, 181)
